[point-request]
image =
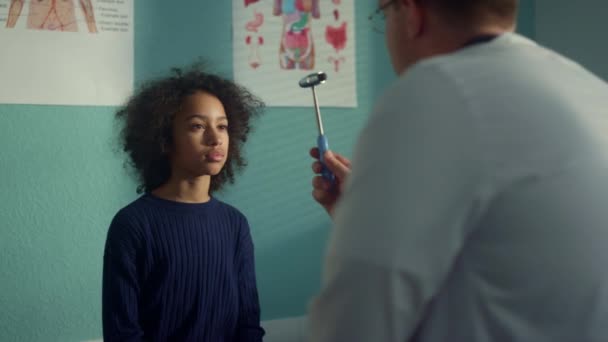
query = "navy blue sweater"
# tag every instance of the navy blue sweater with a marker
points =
(179, 272)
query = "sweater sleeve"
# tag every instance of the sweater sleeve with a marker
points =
(121, 288)
(248, 326)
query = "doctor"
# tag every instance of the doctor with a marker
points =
(476, 207)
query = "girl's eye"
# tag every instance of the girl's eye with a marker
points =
(197, 126)
(223, 127)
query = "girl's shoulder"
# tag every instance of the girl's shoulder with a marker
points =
(128, 226)
(229, 210)
(136, 209)
(132, 215)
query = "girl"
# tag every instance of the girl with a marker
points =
(178, 263)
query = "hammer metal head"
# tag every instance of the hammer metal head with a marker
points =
(313, 80)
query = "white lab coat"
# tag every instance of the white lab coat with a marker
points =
(477, 209)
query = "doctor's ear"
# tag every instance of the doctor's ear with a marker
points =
(414, 17)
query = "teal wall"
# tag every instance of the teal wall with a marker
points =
(575, 30)
(61, 181)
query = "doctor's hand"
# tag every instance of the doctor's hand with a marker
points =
(323, 191)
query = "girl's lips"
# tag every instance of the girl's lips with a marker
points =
(214, 156)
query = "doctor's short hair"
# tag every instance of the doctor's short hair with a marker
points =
(475, 12)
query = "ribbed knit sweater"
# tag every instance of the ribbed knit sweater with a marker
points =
(179, 272)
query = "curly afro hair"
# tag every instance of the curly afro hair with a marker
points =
(147, 123)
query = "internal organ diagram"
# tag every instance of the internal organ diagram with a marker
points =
(254, 59)
(52, 15)
(336, 37)
(249, 2)
(336, 61)
(253, 25)
(297, 46)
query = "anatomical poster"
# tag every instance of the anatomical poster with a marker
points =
(66, 52)
(278, 42)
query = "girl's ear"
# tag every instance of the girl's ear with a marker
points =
(166, 140)
(165, 147)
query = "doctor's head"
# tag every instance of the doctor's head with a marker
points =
(418, 29)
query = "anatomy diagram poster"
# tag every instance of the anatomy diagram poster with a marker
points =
(66, 52)
(278, 42)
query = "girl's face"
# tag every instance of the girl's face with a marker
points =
(200, 136)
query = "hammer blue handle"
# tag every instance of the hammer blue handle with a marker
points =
(323, 146)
